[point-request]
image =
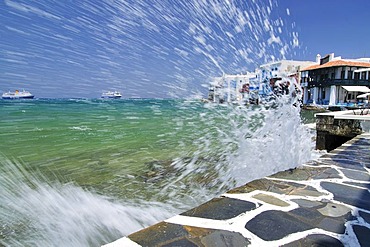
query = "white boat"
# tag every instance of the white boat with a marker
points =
(18, 95)
(111, 95)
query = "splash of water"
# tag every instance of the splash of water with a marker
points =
(235, 145)
(38, 212)
(227, 147)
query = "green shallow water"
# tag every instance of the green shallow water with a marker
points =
(94, 142)
(103, 144)
(85, 135)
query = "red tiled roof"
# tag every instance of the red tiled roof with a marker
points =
(337, 63)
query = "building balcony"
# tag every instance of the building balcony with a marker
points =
(338, 82)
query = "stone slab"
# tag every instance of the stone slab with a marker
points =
(316, 240)
(221, 209)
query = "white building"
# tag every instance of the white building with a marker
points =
(334, 81)
(252, 85)
(277, 75)
(282, 69)
(232, 88)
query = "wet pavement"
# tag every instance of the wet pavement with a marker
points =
(325, 202)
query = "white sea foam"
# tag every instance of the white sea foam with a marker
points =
(80, 128)
(37, 212)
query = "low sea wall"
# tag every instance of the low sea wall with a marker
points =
(325, 202)
(335, 128)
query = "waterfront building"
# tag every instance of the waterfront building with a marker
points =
(232, 88)
(335, 81)
(274, 74)
(252, 86)
(282, 69)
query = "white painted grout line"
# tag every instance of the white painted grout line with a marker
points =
(122, 242)
(199, 222)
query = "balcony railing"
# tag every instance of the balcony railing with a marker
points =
(338, 82)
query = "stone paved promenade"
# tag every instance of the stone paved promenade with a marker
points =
(322, 203)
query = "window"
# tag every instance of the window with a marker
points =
(350, 75)
(342, 73)
(363, 75)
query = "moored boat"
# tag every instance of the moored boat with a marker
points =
(111, 95)
(18, 95)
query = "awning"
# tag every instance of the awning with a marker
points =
(365, 95)
(362, 89)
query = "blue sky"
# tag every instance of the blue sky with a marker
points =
(327, 26)
(165, 48)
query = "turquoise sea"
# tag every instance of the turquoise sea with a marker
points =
(85, 172)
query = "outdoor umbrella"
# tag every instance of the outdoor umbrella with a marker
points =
(363, 95)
